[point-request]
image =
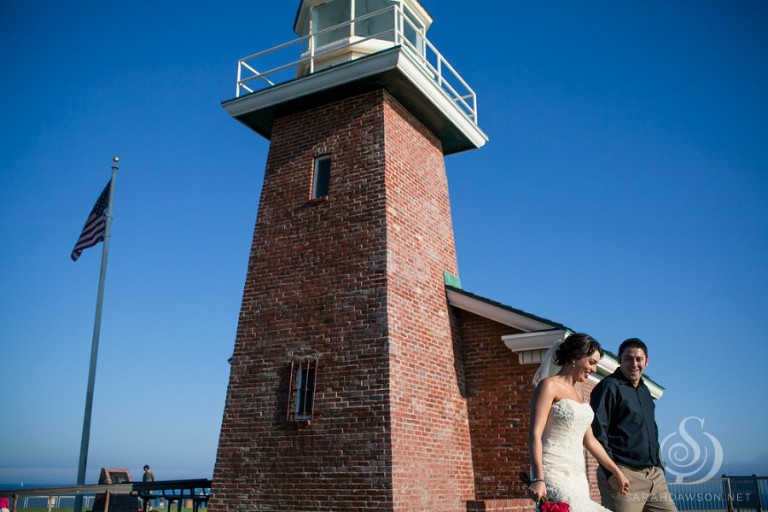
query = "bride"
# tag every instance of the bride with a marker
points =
(560, 427)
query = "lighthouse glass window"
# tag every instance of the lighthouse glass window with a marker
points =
(381, 26)
(328, 15)
(322, 177)
(334, 24)
(413, 31)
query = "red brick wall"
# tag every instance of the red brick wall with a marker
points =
(498, 392)
(356, 280)
(431, 453)
(514, 505)
(316, 285)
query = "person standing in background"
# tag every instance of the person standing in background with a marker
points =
(147, 477)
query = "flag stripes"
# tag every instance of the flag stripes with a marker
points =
(95, 226)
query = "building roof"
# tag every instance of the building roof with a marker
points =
(544, 330)
(501, 313)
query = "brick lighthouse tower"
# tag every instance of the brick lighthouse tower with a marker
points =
(346, 389)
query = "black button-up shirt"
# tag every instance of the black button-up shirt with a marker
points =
(625, 421)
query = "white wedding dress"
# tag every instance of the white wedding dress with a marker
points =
(563, 455)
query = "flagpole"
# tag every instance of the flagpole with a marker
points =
(95, 344)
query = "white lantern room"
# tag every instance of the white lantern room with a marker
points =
(341, 30)
(348, 47)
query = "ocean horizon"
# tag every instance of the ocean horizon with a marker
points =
(30, 485)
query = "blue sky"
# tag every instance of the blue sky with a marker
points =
(622, 193)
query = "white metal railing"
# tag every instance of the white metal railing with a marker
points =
(726, 494)
(710, 495)
(303, 56)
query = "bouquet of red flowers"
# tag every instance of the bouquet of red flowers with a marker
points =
(545, 504)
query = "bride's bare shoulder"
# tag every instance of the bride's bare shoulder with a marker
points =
(554, 387)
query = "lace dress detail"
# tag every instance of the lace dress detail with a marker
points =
(563, 455)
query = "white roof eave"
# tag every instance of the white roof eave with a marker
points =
(495, 313)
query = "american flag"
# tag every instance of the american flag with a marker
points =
(95, 225)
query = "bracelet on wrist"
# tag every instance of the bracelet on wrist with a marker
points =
(534, 480)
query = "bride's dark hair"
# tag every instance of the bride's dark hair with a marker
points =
(576, 346)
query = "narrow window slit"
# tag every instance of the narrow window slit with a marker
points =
(301, 402)
(321, 179)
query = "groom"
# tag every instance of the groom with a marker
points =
(625, 424)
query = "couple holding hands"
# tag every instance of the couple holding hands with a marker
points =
(617, 426)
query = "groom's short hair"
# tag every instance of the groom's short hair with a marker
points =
(632, 343)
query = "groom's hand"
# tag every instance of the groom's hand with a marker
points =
(620, 485)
